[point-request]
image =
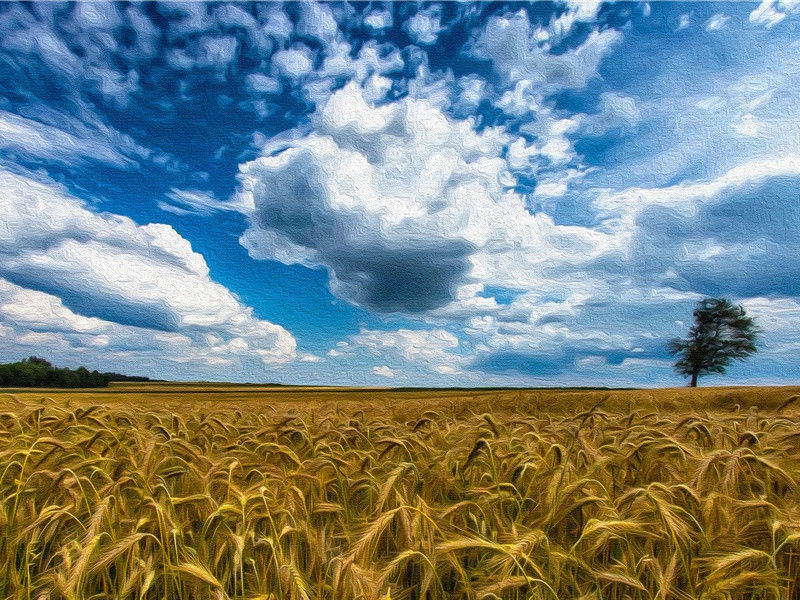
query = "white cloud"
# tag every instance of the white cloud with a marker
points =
(378, 19)
(198, 202)
(521, 51)
(215, 52)
(383, 371)
(295, 62)
(414, 345)
(771, 12)
(91, 272)
(615, 111)
(717, 22)
(686, 198)
(262, 84)
(432, 350)
(425, 25)
(405, 206)
(748, 125)
(733, 235)
(317, 20)
(34, 139)
(277, 23)
(369, 67)
(779, 322)
(310, 358)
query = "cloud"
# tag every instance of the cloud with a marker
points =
(429, 346)
(317, 21)
(294, 62)
(383, 371)
(433, 350)
(425, 25)
(748, 125)
(262, 84)
(520, 51)
(733, 235)
(276, 22)
(197, 202)
(378, 19)
(404, 206)
(73, 142)
(231, 16)
(33, 139)
(771, 12)
(466, 202)
(717, 22)
(77, 45)
(206, 52)
(104, 267)
(615, 111)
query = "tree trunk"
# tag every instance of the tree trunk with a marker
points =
(693, 382)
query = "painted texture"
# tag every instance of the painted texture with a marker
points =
(400, 194)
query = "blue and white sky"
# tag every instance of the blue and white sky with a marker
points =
(397, 194)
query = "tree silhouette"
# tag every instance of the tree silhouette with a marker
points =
(721, 333)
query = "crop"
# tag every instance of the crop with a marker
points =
(430, 500)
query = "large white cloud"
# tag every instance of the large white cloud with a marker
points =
(409, 209)
(100, 271)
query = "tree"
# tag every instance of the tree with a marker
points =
(721, 333)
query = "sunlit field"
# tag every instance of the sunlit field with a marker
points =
(153, 491)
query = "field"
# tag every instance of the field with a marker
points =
(190, 491)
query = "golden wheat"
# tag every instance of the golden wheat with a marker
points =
(334, 500)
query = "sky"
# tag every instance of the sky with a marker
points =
(432, 194)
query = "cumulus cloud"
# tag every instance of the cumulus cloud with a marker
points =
(260, 83)
(771, 12)
(435, 351)
(405, 206)
(98, 270)
(383, 371)
(378, 19)
(52, 36)
(425, 25)
(535, 298)
(433, 347)
(615, 111)
(293, 62)
(465, 201)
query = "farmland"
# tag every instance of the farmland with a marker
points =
(212, 491)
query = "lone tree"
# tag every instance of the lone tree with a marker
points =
(721, 333)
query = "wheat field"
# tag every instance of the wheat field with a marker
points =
(169, 492)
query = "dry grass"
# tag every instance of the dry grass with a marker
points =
(661, 494)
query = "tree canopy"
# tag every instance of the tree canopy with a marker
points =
(38, 372)
(722, 332)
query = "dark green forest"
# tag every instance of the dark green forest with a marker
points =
(38, 372)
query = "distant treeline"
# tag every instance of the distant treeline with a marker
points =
(38, 372)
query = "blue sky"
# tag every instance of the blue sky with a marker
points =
(397, 194)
